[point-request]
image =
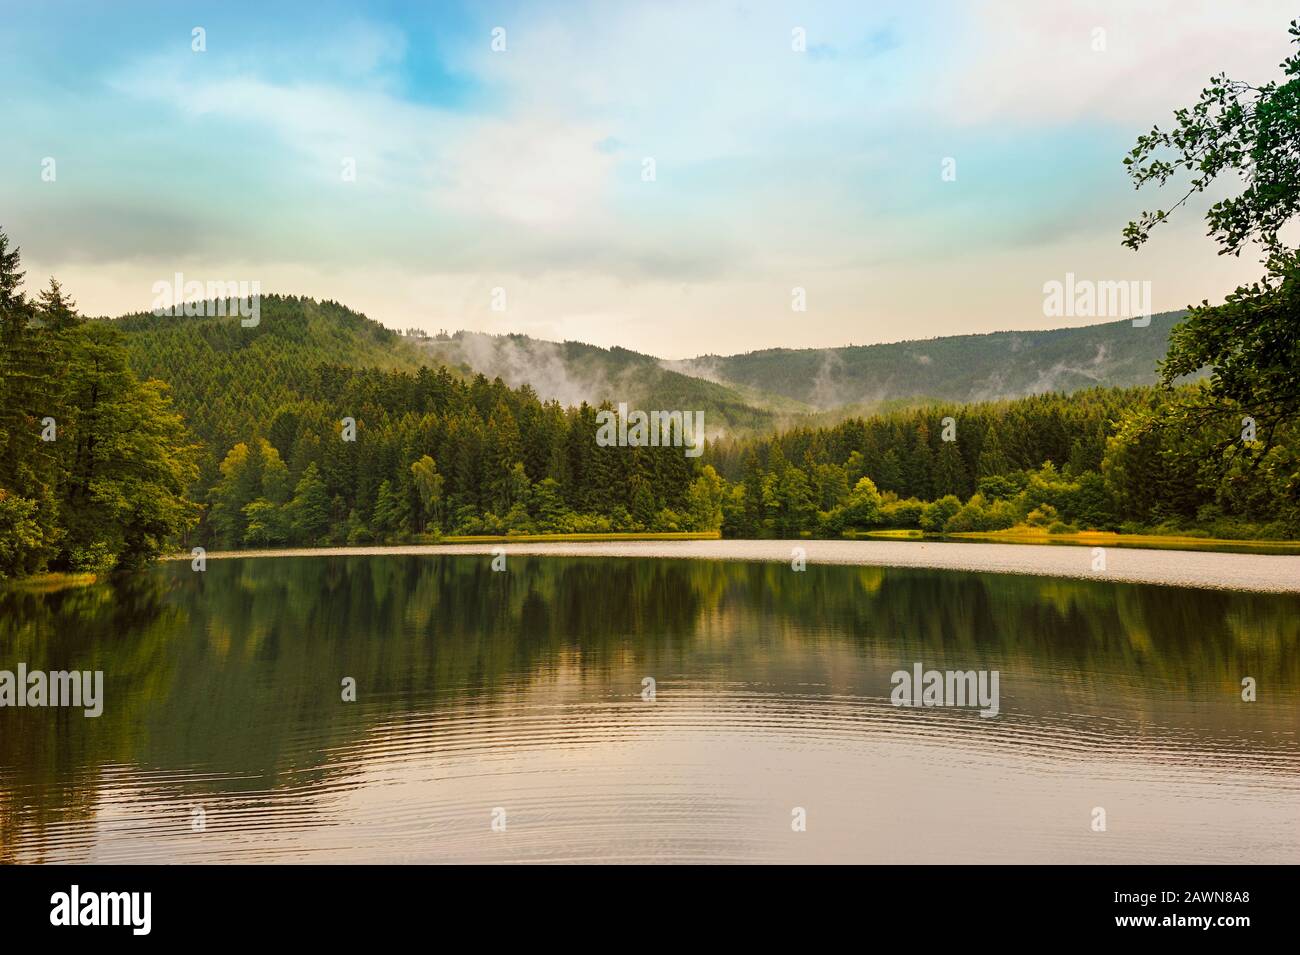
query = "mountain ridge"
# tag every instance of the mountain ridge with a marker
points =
(973, 367)
(743, 393)
(788, 382)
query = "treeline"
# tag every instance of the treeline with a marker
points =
(364, 456)
(94, 464)
(1138, 459)
(371, 456)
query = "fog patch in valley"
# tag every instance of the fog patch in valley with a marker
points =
(526, 361)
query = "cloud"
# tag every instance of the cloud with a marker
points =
(547, 174)
(1109, 61)
(523, 169)
(311, 119)
(517, 187)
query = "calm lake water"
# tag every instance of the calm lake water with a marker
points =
(522, 691)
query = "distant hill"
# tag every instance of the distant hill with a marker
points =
(759, 389)
(957, 368)
(224, 376)
(571, 372)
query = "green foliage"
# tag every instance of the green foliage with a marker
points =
(704, 500)
(1131, 462)
(862, 509)
(251, 476)
(1042, 516)
(1001, 487)
(787, 500)
(429, 487)
(1250, 133)
(265, 523)
(546, 505)
(1084, 500)
(22, 536)
(935, 517)
(906, 460)
(900, 514)
(309, 510)
(127, 456)
(226, 377)
(977, 514)
(393, 510)
(1251, 342)
(95, 465)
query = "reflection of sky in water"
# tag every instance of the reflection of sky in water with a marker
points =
(523, 691)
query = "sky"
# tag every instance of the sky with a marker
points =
(917, 169)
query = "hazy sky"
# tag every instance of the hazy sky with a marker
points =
(523, 169)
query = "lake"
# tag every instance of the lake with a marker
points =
(502, 717)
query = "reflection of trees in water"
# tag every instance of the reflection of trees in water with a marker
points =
(237, 671)
(120, 627)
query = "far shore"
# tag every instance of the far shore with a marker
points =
(1264, 573)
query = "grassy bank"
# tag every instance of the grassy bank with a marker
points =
(1036, 535)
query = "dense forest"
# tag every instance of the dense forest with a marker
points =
(437, 452)
(1105, 459)
(306, 441)
(120, 439)
(288, 441)
(97, 469)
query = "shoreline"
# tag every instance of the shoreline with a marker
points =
(1206, 570)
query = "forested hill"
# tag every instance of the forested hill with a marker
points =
(228, 380)
(756, 391)
(958, 368)
(573, 372)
